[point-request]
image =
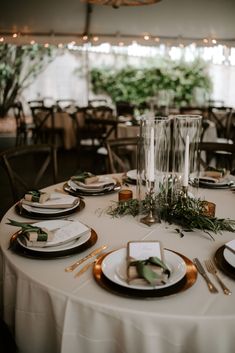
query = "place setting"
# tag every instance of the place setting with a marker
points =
(41, 205)
(130, 177)
(214, 179)
(51, 238)
(144, 269)
(88, 184)
(225, 258)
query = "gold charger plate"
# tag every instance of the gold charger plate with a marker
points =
(44, 216)
(26, 252)
(186, 282)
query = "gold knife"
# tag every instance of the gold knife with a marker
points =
(201, 270)
(85, 268)
(79, 262)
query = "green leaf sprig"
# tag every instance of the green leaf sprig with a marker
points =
(26, 227)
(145, 272)
(82, 176)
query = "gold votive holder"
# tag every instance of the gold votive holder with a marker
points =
(209, 209)
(125, 195)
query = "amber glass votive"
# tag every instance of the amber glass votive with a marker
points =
(209, 209)
(125, 194)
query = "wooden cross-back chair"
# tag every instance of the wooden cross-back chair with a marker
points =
(29, 167)
(222, 155)
(122, 154)
(22, 127)
(97, 126)
(222, 116)
(45, 130)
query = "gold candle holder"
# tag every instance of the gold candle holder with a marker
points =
(152, 217)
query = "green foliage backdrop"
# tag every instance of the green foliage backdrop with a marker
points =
(136, 85)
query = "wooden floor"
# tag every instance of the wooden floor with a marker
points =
(69, 163)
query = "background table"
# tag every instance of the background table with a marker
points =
(51, 311)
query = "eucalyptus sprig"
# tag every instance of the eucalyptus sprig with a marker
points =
(25, 227)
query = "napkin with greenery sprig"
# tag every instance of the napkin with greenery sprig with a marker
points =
(151, 271)
(33, 235)
(84, 177)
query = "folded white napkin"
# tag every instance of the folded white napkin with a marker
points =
(102, 184)
(71, 230)
(56, 200)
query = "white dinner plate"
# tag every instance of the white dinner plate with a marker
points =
(52, 211)
(69, 243)
(114, 268)
(132, 174)
(229, 257)
(217, 185)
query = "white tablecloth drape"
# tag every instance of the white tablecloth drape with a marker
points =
(50, 311)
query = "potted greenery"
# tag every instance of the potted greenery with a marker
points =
(18, 66)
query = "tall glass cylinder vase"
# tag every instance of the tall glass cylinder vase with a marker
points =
(153, 167)
(185, 163)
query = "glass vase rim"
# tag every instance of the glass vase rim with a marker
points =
(187, 116)
(155, 118)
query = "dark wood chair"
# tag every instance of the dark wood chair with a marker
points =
(23, 129)
(222, 116)
(125, 109)
(122, 154)
(222, 155)
(29, 167)
(97, 126)
(45, 130)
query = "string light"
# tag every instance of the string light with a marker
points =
(24, 38)
(46, 45)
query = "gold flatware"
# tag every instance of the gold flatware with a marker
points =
(85, 268)
(212, 269)
(201, 270)
(79, 262)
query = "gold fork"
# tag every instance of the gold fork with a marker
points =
(212, 269)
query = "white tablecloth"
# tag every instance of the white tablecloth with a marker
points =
(50, 311)
(125, 130)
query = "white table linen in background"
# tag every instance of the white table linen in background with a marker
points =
(50, 311)
(125, 130)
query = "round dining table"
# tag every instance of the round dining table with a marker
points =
(50, 310)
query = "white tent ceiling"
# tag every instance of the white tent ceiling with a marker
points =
(169, 19)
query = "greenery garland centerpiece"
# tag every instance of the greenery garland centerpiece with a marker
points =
(186, 212)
